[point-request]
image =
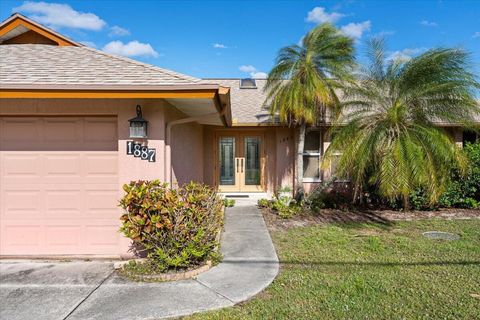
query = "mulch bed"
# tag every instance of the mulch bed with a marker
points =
(385, 217)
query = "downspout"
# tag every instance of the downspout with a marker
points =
(168, 151)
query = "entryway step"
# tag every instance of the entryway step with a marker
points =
(245, 198)
(244, 195)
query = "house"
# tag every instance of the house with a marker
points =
(73, 130)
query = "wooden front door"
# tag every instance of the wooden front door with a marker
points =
(240, 166)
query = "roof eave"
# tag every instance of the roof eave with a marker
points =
(219, 95)
(34, 25)
(108, 87)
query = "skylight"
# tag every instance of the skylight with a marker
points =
(248, 83)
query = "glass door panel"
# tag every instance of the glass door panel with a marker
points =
(252, 161)
(227, 160)
(239, 163)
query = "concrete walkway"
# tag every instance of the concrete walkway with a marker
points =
(91, 290)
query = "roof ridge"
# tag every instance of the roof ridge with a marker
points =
(145, 65)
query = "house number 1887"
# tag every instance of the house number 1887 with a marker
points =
(139, 151)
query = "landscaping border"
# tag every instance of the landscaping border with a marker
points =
(163, 277)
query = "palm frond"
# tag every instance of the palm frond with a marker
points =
(388, 127)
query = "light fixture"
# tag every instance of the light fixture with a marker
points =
(138, 125)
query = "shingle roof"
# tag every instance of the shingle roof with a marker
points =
(248, 105)
(69, 65)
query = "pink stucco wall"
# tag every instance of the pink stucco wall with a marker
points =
(186, 148)
(209, 155)
(285, 155)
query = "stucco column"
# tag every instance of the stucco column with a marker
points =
(458, 137)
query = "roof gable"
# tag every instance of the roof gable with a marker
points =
(41, 65)
(36, 55)
(19, 29)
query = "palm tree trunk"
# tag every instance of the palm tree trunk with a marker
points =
(406, 203)
(299, 192)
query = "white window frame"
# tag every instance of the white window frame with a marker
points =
(318, 154)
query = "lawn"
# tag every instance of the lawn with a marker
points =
(370, 271)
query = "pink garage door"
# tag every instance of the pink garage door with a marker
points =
(59, 186)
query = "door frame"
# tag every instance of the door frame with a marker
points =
(240, 133)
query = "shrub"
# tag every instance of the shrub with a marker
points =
(263, 203)
(285, 207)
(418, 200)
(285, 190)
(461, 192)
(329, 195)
(228, 203)
(287, 212)
(464, 192)
(177, 227)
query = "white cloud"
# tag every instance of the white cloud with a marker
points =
(57, 15)
(219, 46)
(319, 15)
(88, 44)
(427, 23)
(356, 30)
(118, 31)
(247, 68)
(385, 33)
(253, 72)
(131, 49)
(405, 54)
(259, 75)
(476, 34)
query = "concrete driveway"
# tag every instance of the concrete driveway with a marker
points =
(47, 290)
(91, 289)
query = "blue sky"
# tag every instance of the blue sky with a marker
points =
(241, 38)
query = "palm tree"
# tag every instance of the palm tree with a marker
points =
(301, 85)
(388, 131)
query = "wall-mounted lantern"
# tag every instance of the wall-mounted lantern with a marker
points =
(138, 125)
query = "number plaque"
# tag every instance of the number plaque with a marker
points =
(142, 152)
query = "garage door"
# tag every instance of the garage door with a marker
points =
(59, 186)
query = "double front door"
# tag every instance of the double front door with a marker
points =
(240, 162)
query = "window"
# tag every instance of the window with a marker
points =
(312, 156)
(248, 83)
(333, 167)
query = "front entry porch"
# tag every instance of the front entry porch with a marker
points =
(248, 161)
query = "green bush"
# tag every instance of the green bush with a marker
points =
(419, 200)
(228, 203)
(263, 203)
(464, 192)
(178, 228)
(285, 207)
(461, 192)
(287, 212)
(328, 196)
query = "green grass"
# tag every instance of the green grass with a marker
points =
(370, 272)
